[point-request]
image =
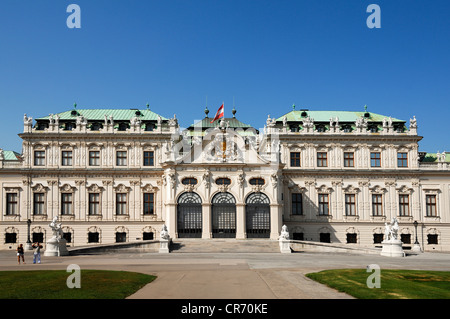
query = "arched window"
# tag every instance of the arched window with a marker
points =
(96, 126)
(223, 198)
(223, 212)
(189, 215)
(257, 181)
(257, 198)
(320, 128)
(347, 128)
(123, 126)
(223, 181)
(189, 181)
(189, 198)
(69, 126)
(257, 210)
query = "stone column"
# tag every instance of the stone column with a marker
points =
(171, 215)
(240, 221)
(275, 220)
(206, 220)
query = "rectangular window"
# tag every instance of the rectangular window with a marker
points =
(325, 237)
(149, 203)
(404, 205)
(66, 204)
(352, 238)
(378, 238)
(402, 159)
(349, 159)
(432, 239)
(38, 204)
(11, 204)
(94, 158)
(68, 237)
(350, 205)
(405, 238)
(10, 238)
(323, 204)
(377, 205)
(297, 207)
(148, 236)
(39, 158)
(121, 158)
(148, 158)
(322, 159)
(121, 204)
(93, 237)
(375, 159)
(430, 201)
(121, 237)
(94, 204)
(66, 158)
(295, 159)
(37, 237)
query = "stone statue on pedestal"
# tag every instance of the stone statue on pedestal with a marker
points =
(164, 240)
(284, 240)
(56, 246)
(392, 246)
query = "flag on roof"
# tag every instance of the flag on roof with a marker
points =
(219, 114)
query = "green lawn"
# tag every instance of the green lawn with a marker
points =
(51, 284)
(395, 284)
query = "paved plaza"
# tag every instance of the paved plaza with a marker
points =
(227, 275)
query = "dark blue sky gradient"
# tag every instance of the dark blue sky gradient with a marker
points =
(268, 55)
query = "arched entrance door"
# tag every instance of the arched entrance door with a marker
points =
(257, 212)
(223, 216)
(189, 216)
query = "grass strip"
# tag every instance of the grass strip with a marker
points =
(51, 284)
(394, 284)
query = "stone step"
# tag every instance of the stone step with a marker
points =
(199, 245)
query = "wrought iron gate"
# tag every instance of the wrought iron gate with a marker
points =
(223, 216)
(257, 211)
(189, 216)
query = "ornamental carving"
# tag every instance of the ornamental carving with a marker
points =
(66, 188)
(39, 188)
(94, 188)
(149, 188)
(121, 188)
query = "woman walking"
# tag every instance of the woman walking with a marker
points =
(20, 253)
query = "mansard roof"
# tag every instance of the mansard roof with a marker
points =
(436, 157)
(99, 114)
(324, 116)
(206, 123)
(11, 156)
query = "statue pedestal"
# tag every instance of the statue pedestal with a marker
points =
(392, 248)
(56, 247)
(164, 246)
(284, 246)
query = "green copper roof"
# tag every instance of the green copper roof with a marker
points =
(432, 157)
(11, 156)
(206, 123)
(199, 128)
(99, 114)
(324, 116)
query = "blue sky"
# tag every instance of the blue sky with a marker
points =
(268, 55)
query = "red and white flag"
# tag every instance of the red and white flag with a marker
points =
(219, 113)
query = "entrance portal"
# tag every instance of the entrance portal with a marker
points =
(257, 211)
(189, 216)
(223, 216)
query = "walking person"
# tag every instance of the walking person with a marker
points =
(20, 253)
(37, 253)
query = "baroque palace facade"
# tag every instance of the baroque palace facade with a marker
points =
(119, 175)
